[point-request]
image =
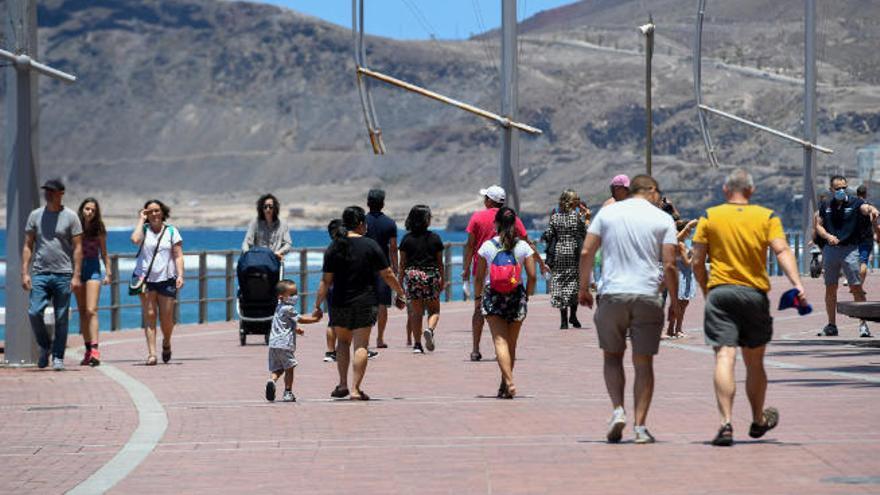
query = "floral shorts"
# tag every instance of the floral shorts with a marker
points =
(511, 307)
(422, 283)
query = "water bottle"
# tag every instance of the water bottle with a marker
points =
(466, 290)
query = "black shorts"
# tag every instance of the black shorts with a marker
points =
(383, 292)
(165, 288)
(737, 316)
(354, 316)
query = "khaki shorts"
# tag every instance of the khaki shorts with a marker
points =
(640, 314)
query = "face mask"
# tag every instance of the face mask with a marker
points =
(840, 195)
(292, 300)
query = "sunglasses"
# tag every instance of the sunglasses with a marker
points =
(268, 207)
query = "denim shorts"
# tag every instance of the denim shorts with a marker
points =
(91, 269)
(166, 288)
(845, 258)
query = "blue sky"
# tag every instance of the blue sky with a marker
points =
(418, 19)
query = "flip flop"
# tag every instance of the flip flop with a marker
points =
(151, 361)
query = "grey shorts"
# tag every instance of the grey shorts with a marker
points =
(837, 258)
(642, 315)
(736, 315)
(281, 359)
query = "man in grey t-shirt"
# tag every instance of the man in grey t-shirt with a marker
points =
(54, 243)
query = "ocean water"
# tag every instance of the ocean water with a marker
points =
(195, 240)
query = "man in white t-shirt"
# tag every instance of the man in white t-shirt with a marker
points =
(634, 235)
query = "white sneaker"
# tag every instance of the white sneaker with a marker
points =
(288, 396)
(616, 425)
(57, 364)
(863, 330)
(643, 435)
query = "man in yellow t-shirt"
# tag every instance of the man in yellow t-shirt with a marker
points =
(735, 236)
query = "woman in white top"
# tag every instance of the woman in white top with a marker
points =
(504, 299)
(160, 264)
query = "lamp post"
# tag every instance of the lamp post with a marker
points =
(647, 31)
(22, 165)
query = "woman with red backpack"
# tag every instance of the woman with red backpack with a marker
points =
(504, 298)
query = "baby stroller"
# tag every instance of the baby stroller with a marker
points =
(259, 270)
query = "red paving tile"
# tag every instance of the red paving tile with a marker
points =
(435, 426)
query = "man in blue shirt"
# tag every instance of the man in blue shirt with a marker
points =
(839, 220)
(383, 230)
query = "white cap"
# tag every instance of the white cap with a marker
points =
(495, 193)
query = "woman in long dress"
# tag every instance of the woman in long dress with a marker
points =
(568, 226)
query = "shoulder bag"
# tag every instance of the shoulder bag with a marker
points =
(137, 285)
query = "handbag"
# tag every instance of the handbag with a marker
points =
(137, 285)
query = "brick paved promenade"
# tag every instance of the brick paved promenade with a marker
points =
(435, 426)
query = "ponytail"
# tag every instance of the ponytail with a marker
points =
(505, 224)
(352, 218)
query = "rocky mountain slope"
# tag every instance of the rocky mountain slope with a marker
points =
(208, 103)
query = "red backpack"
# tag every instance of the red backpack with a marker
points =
(505, 272)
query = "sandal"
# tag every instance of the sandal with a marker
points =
(502, 390)
(338, 392)
(724, 437)
(151, 360)
(166, 353)
(383, 345)
(510, 393)
(771, 419)
(360, 396)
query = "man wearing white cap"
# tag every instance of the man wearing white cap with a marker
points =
(480, 229)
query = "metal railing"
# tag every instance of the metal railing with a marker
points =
(297, 268)
(307, 279)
